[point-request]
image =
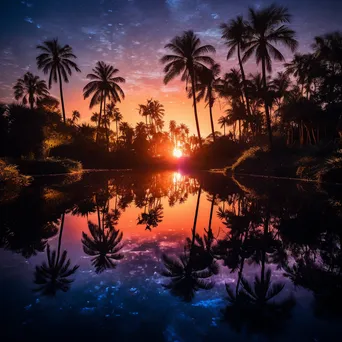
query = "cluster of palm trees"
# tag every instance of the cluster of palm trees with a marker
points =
(306, 110)
(257, 36)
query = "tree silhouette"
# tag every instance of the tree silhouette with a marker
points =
(57, 60)
(188, 58)
(103, 245)
(208, 81)
(235, 35)
(54, 275)
(104, 85)
(267, 27)
(30, 89)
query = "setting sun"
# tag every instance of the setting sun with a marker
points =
(177, 152)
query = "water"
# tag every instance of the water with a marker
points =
(152, 256)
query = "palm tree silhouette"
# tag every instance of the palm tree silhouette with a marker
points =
(114, 113)
(254, 305)
(75, 116)
(103, 245)
(235, 35)
(208, 80)
(54, 275)
(30, 89)
(104, 85)
(224, 121)
(188, 58)
(56, 60)
(267, 27)
(152, 218)
(187, 272)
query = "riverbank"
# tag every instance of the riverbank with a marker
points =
(311, 163)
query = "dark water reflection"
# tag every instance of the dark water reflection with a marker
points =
(171, 257)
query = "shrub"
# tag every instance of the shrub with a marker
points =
(11, 181)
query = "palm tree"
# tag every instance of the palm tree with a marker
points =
(235, 35)
(54, 275)
(104, 85)
(152, 218)
(266, 28)
(75, 116)
(172, 129)
(114, 114)
(187, 59)
(145, 110)
(57, 60)
(255, 306)
(188, 274)
(223, 122)
(206, 87)
(103, 245)
(31, 89)
(157, 113)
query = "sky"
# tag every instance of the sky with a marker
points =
(131, 35)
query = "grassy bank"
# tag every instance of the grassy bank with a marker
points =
(321, 164)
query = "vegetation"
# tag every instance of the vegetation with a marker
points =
(11, 181)
(296, 112)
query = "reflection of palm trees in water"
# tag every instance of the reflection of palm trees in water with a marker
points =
(54, 275)
(153, 212)
(104, 242)
(189, 272)
(254, 304)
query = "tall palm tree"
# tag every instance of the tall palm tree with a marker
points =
(104, 85)
(187, 59)
(157, 114)
(187, 272)
(57, 60)
(54, 275)
(235, 35)
(206, 87)
(30, 89)
(267, 26)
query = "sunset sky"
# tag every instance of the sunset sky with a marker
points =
(131, 34)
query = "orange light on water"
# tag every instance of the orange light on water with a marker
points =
(177, 152)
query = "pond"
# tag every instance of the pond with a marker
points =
(168, 256)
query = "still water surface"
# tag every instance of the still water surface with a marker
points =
(171, 257)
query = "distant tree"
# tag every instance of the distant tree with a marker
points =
(57, 60)
(104, 85)
(30, 89)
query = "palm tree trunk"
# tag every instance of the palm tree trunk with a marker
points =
(195, 107)
(106, 128)
(99, 122)
(211, 113)
(267, 113)
(61, 93)
(195, 220)
(117, 132)
(60, 238)
(245, 90)
(224, 129)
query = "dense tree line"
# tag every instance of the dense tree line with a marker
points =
(302, 104)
